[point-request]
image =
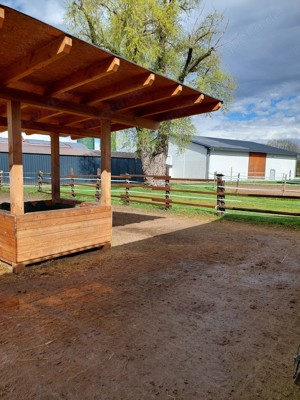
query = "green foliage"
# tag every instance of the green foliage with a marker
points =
(155, 34)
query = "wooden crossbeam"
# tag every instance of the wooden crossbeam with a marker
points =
(2, 16)
(188, 111)
(171, 105)
(84, 76)
(119, 89)
(146, 98)
(119, 127)
(36, 60)
(3, 111)
(40, 115)
(52, 128)
(52, 103)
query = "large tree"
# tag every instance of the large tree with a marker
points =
(170, 37)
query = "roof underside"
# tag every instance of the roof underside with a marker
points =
(68, 86)
(239, 145)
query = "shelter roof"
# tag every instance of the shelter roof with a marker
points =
(239, 145)
(67, 86)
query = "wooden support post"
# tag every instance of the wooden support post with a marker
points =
(220, 195)
(55, 168)
(1, 178)
(15, 157)
(105, 163)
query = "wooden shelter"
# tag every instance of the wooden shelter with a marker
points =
(56, 84)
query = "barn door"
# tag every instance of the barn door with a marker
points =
(257, 165)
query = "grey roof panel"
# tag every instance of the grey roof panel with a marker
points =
(239, 145)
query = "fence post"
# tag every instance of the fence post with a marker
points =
(167, 196)
(1, 178)
(72, 183)
(215, 178)
(40, 181)
(237, 182)
(220, 195)
(127, 187)
(284, 183)
(98, 184)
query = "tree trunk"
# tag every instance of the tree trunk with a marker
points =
(154, 165)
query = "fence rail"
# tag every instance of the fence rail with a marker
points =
(168, 192)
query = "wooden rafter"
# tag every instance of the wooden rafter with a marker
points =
(188, 111)
(84, 76)
(74, 108)
(43, 127)
(119, 89)
(3, 111)
(171, 105)
(146, 98)
(36, 60)
(2, 16)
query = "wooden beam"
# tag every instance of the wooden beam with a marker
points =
(105, 163)
(188, 111)
(3, 110)
(55, 168)
(170, 105)
(36, 60)
(58, 129)
(118, 127)
(141, 99)
(84, 76)
(52, 103)
(15, 158)
(2, 16)
(119, 89)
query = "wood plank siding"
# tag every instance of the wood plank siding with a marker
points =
(257, 165)
(46, 234)
(8, 249)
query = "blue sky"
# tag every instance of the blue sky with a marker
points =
(261, 50)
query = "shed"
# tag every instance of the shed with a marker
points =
(205, 156)
(56, 84)
(72, 156)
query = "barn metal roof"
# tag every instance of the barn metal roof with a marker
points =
(36, 146)
(67, 86)
(239, 145)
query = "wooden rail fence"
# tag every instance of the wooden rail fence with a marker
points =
(163, 189)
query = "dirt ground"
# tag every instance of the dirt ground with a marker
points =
(179, 308)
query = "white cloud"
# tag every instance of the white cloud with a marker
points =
(49, 11)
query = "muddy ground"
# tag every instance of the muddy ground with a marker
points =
(179, 308)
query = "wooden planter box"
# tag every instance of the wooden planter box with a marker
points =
(37, 236)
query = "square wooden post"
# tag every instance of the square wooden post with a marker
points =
(105, 163)
(15, 157)
(55, 168)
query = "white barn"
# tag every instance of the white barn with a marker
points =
(205, 156)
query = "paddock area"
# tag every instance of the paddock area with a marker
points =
(179, 308)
